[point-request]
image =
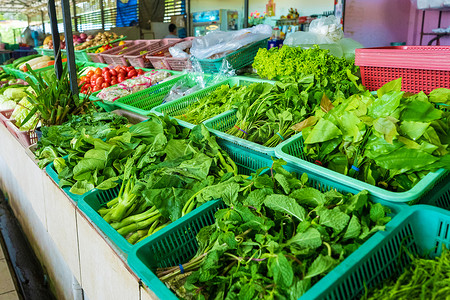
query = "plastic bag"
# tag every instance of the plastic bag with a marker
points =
(308, 40)
(329, 27)
(348, 47)
(178, 51)
(196, 80)
(217, 44)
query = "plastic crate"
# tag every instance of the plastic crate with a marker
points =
(422, 68)
(159, 62)
(138, 60)
(51, 172)
(179, 64)
(176, 244)
(26, 138)
(291, 151)
(237, 59)
(180, 106)
(143, 101)
(5, 115)
(384, 256)
(112, 56)
(246, 162)
(440, 196)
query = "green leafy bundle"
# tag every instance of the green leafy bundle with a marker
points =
(424, 278)
(165, 180)
(292, 63)
(52, 99)
(55, 141)
(277, 238)
(391, 141)
(217, 102)
(94, 163)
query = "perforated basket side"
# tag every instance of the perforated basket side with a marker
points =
(5, 115)
(51, 172)
(292, 151)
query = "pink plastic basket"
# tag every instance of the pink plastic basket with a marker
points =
(5, 115)
(422, 68)
(159, 62)
(112, 56)
(26, 138)
(138, 60)
(179, 64)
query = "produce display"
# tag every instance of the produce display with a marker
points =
(276, 239)
(171, 172)
(51, 100)
(102, 38)
(425, 278)
(106, 47)
(10, 96)
(391, 141)
(99, 79)
(8, 80)
(292, 63)
(133, 85)
(48, 42)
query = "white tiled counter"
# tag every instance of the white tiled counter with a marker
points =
(65, 241)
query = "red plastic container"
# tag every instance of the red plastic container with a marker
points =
(26, 138)
(422, 68)
(5, 115)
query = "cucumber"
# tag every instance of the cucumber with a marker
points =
(21, 60)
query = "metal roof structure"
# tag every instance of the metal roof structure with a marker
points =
(28, 7)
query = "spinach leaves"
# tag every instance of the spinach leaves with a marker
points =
(276, 239)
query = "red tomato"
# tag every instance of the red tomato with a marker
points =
(122, 73)
(120, 79)
(99, 81)
(105, 70)
(98, 71)
(113, 72)
(105, 85)
(106, 76)
(113, 82)
(130, 68)
(90, 73)
(117, 68)
(96, 88)
(87, 79)
(132, 73)
(140, 72)
(113, 78)
(95, 77)
(83, 78)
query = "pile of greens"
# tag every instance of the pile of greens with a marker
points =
(94, 163)
(55, 141)
(391, 141)
(180, 175)
(292, 63)
(215, 103)
(275, 240)
(425, 278)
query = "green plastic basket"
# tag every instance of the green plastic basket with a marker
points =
(51, 172)
(440, 195)
(181, 106)
(238, 59)
(291, 151)
(176, 244)
(95, 199)
(421, 229)
(223, 122)
(143, 101)
(42, 51)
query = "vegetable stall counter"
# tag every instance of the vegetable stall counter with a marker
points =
(67, 244)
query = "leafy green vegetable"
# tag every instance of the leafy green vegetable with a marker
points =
(280, 247)
(424, 278)
(331, 74)
(392, 141)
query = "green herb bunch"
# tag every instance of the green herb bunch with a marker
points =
(424, 278)
(275, 240)
(392, 140)
(293, 63)
(52, 98)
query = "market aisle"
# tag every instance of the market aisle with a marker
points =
(7, 287)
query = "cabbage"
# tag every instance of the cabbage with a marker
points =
(8, 104)
(20, 113)
(14, 93)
